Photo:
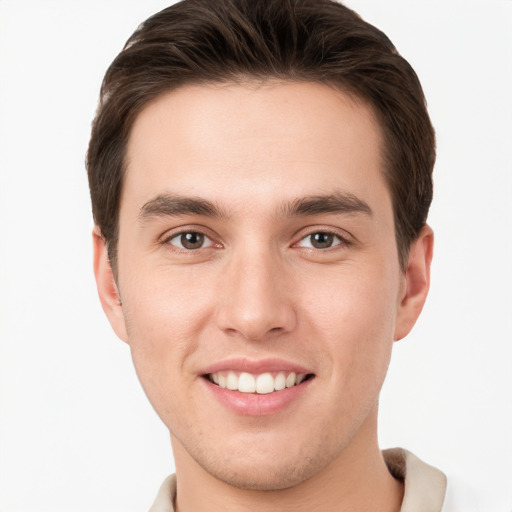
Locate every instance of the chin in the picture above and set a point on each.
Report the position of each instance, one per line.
(263, 466)
(267, 478)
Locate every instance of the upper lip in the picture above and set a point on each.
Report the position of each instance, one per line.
(255, 367)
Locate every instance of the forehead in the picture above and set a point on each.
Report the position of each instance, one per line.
(256, 139)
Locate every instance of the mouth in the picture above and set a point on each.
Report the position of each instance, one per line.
(261, 384)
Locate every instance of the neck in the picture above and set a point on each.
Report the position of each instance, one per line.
(358, 480)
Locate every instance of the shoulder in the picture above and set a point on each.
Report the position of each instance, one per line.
(164, 501)
(427, 489)
(424, 485)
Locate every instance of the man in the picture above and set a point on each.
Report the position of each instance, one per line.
(260, 174)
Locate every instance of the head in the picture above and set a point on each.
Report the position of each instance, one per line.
(232, 41)
(260, 174)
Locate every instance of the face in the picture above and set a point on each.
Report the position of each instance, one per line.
(259, 277)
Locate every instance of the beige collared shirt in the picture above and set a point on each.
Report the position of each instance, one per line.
(425, 486)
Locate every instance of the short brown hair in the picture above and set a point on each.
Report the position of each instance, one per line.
(205, 41)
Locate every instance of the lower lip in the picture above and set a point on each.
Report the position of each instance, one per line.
(253, 404)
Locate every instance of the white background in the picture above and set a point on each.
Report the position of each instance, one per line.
(76, 432)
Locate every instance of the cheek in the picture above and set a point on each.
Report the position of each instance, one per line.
(164, 330)
(351, 299)
(165, 314)
(356, 316)
(164, 301)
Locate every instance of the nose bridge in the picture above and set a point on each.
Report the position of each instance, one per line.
(255, 301)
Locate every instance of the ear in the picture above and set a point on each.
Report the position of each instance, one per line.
(416, 283)
(107, 287)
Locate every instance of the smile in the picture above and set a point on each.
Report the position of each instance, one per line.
(263, 383)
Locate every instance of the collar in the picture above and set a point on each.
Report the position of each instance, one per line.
(425, 486)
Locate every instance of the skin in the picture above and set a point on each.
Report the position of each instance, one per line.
(259, 289)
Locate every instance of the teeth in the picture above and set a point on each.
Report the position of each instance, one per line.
(280, 382)
(232, 381)
(290, 380)
(263, 383)
(246, 383)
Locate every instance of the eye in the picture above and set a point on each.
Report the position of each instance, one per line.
(190, 240)
(320, 240)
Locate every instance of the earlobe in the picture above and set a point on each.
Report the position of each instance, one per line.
(107, 287)
(416, 282)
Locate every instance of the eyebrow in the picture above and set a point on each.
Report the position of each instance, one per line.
(169, 205)
(340, 202)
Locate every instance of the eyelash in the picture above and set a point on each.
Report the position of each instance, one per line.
(180, 234)
(343, 241)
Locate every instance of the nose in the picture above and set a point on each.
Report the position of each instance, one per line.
(256, 298)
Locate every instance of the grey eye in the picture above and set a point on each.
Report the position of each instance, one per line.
(320, 240)
(190, 240)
